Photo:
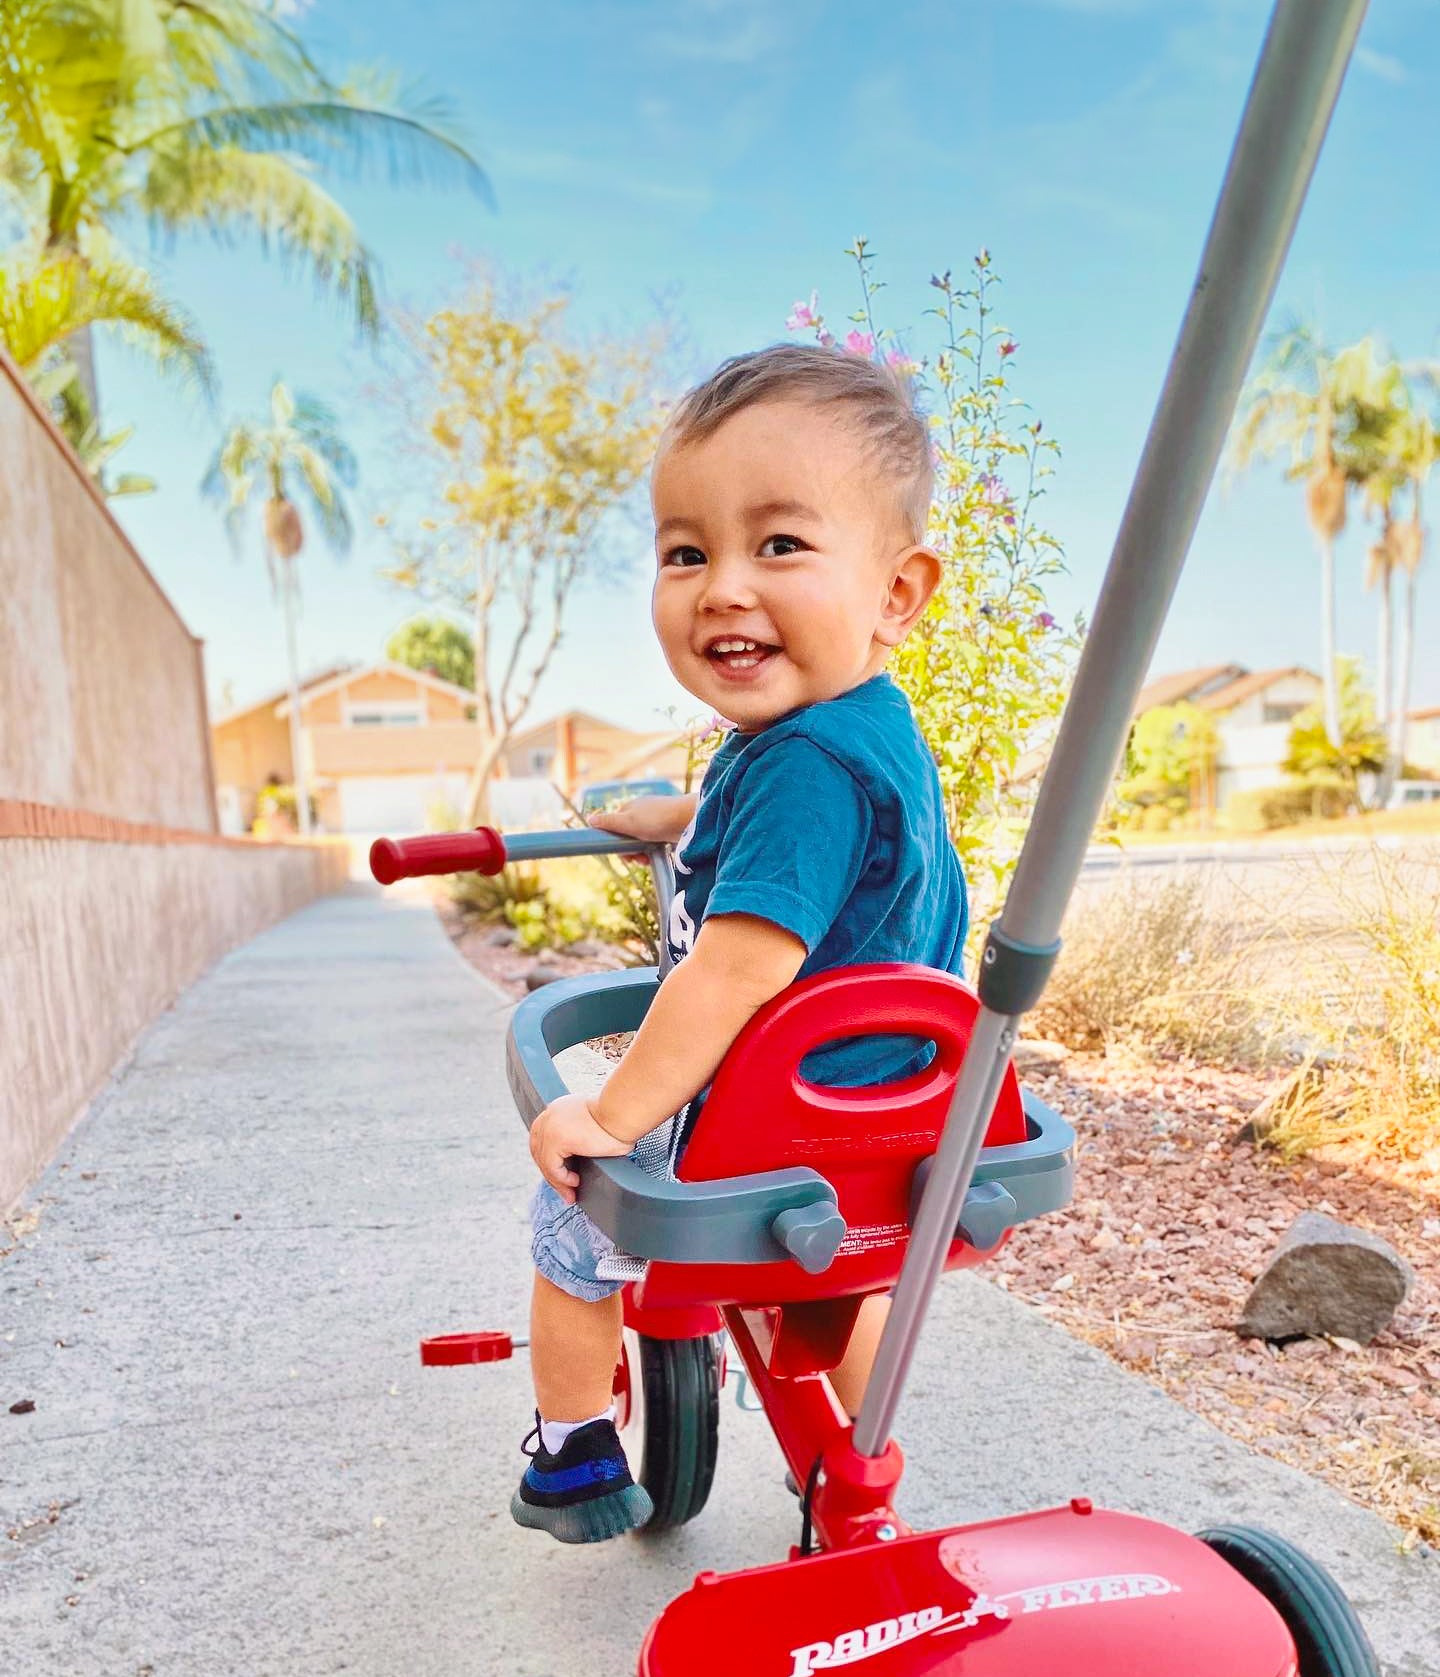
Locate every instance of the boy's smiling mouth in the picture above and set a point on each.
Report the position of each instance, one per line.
(737, 657)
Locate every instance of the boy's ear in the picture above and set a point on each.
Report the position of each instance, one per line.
(913, 582)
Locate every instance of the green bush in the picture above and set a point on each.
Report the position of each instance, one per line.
(488, 897)
(544, 923)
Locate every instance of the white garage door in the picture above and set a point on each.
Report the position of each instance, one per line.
(396, 804)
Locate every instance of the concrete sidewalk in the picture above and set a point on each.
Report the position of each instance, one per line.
(311, 1161)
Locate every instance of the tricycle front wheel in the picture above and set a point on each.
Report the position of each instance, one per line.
(667, 1395)
(1329, 1638)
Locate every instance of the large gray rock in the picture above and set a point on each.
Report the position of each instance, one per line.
(1327, 1278)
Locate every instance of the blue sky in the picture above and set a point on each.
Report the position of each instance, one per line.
(721, 154)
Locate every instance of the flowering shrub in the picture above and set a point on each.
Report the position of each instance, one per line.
(988, 666)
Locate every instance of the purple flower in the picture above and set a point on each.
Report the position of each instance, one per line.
(993, 492)
(804, 315)
(859, 343)
(827, 340)
(1008, 348)
(1043, 620)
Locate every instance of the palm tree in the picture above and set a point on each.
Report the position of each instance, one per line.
(1321, 408)
(195, 115)
(299, 455)
(1416, 450)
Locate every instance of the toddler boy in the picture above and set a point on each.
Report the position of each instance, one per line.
(790, 495)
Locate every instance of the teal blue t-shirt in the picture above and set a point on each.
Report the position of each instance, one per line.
(830, 823)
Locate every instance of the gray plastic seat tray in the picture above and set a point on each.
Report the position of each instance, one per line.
(729, 1221)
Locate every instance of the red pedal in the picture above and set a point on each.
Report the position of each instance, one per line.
(446, 1350)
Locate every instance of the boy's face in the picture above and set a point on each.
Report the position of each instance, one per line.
(785, 574)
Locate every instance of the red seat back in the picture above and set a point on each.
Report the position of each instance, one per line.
(762, 1115)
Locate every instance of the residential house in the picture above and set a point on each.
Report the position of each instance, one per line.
(1254, 713)
(577, 749)
(383, 746)
(1422, 743)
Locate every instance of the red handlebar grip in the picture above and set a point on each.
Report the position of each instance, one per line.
(480, 851)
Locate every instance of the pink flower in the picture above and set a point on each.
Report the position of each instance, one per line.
(826, 339)
(993, 491)
(1008, 347)
(859, 343)
(900, 361)
(804, 314)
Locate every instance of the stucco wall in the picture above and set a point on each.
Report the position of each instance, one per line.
(102, 695)
(99, 937)
(115, 890)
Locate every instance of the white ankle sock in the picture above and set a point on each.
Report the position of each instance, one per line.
(554, 1433)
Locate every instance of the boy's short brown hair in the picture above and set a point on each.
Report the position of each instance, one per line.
(878, 401)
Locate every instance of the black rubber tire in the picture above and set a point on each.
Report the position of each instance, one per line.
(673, 1434)
(1329, 1638)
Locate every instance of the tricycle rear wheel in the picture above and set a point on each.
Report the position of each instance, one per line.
(1328, 1635)
(668, 1398)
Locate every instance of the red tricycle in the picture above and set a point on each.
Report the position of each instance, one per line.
(795, 1203)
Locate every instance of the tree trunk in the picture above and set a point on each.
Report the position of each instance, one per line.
(298, 777)
(477, 794)
(1328, 667)
(1384, 680)
(1400, 721)
(80, 347)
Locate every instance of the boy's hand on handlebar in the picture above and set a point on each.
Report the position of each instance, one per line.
(568, 1129)
(653, 820)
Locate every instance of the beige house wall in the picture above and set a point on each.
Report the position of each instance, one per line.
(102, 693)
(441, 745)
(250, 748)
(100, 937)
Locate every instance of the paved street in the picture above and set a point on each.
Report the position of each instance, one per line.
(309, 1162)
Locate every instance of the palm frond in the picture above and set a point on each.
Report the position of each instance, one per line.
(356, 139)
(330, 513)
(46, 297)
(219, 191)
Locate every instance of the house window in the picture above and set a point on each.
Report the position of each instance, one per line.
(540, 761)
(1275, 711)
(383, 716)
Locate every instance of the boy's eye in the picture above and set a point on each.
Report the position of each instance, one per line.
(684, 556)
(777, 547)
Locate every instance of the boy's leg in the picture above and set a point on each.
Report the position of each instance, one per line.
(852, 1375)
(574, 1347)
(578, 1485)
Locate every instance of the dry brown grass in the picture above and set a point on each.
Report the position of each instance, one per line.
(1152, 967)
(1379, 1036)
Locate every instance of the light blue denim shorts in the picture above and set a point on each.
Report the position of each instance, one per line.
(569, 1250)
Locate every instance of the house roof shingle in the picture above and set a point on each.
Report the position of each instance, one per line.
(1170, 689)
(1246, 686)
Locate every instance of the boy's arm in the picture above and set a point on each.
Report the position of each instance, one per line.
(739, 963)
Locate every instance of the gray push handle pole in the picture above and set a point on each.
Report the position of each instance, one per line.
(1288, 109)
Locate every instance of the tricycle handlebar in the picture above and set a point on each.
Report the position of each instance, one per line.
(480, 851)
(483, 850)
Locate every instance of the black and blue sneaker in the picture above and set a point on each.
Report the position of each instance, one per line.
(583, 1493)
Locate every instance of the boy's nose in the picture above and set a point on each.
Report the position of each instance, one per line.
(727, 588)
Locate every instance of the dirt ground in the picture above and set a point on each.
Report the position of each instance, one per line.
(1174, 1217)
